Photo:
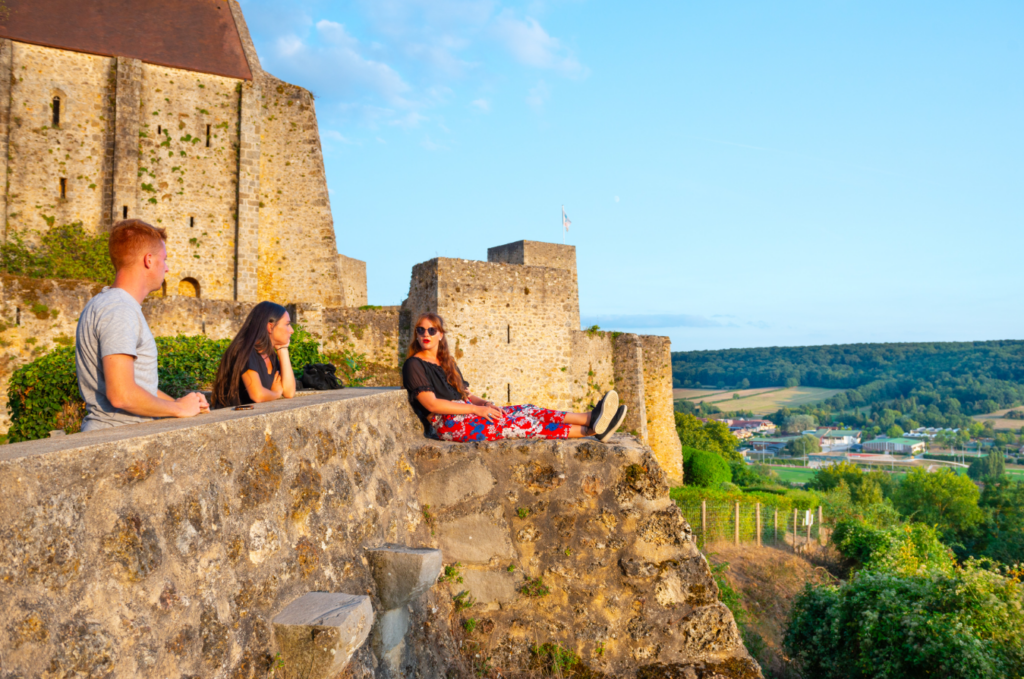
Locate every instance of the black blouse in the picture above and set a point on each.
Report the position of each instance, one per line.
(257, 363)
(419, 376)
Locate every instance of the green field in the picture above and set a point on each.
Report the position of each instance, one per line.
(760, 401)
(792, 475)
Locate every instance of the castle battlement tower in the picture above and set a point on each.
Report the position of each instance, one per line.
(164, 113)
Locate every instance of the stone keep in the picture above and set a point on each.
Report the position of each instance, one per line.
(164, 114)
(514, 327)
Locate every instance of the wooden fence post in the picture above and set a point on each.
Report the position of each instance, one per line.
(808, 535)
(776, 522)
(821, 525)
(736, 523)
(757, 522)
(704, 521)
(795, 529)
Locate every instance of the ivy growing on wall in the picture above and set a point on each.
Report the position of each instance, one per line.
(64, 251)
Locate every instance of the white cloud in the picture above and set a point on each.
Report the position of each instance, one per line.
(334, 135)
(616, 199)
(532, 45)
(333, 66)
(539, 94)
(481, 105)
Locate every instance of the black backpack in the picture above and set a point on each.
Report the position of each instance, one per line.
(320, 376)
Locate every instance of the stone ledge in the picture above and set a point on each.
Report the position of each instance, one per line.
(169, 425)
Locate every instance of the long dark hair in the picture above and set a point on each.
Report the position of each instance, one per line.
(253, 335)
(444, 357)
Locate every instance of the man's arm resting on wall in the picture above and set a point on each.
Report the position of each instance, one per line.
(124, 394)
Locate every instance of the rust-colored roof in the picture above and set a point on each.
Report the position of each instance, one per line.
(197, 35)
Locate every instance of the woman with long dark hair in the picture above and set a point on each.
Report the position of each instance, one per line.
(256, 367)
(442, 400)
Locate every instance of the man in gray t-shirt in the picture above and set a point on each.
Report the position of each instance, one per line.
(114, 348)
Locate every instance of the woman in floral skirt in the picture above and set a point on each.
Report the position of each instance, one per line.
(442, 400)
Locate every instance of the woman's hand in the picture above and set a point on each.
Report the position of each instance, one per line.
(489, 413)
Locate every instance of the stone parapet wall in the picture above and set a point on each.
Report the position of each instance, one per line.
(627, 354)
(36, 316)
(372, 332)
(166, 548)
(352, 276)
(593, 369)
(661, 421)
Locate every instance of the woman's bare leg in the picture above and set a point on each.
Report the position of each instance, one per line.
(579, 431)
(577, 418)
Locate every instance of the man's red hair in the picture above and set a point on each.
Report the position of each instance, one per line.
(132, 239)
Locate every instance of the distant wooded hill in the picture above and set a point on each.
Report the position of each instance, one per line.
(981, 376)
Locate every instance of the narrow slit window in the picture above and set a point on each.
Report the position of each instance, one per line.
(509, 399)
(207, 136)
(56, 111)
(159, 129)
(124, 212)
(510, 334)
(17, 315)
(191, 222)
(63, 187)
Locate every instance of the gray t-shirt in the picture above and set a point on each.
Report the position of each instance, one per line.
(112, 323)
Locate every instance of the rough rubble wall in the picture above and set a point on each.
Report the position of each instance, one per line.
(297, 249)
(661, 420)
(372, 332)
(166, 549)
(36, 316)
(593, 371)
(510, 327)
(593, 525)
(184, 185)
(79, 151)
(352, 277)
(627, 354)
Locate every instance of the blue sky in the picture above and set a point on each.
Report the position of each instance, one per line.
(737, 173)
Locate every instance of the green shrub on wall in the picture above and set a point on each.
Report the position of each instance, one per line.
(64, 251)
(38, 390)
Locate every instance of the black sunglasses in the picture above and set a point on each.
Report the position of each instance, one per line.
(421, 331)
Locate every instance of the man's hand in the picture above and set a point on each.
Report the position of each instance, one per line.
(191, 405)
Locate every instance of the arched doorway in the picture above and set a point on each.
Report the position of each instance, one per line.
(188, 287)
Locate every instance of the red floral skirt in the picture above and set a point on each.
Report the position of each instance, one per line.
(520, 422)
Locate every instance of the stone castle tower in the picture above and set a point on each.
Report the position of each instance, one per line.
(164, 113)
(514, 326)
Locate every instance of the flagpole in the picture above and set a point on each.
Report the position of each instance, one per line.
(563, 225)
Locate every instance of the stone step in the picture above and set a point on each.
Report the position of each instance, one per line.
(403, 573)
(321, 631)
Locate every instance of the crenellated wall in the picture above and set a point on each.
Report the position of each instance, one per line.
(167, 548)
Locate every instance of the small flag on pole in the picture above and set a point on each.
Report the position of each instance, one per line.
(565, 219)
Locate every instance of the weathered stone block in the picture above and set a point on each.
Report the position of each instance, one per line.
(454, 484)
(322, 630)
(490, 587)
(403, 573)
(474, 539)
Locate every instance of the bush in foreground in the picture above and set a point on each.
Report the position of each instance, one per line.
(704, 469)
(968, 624)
